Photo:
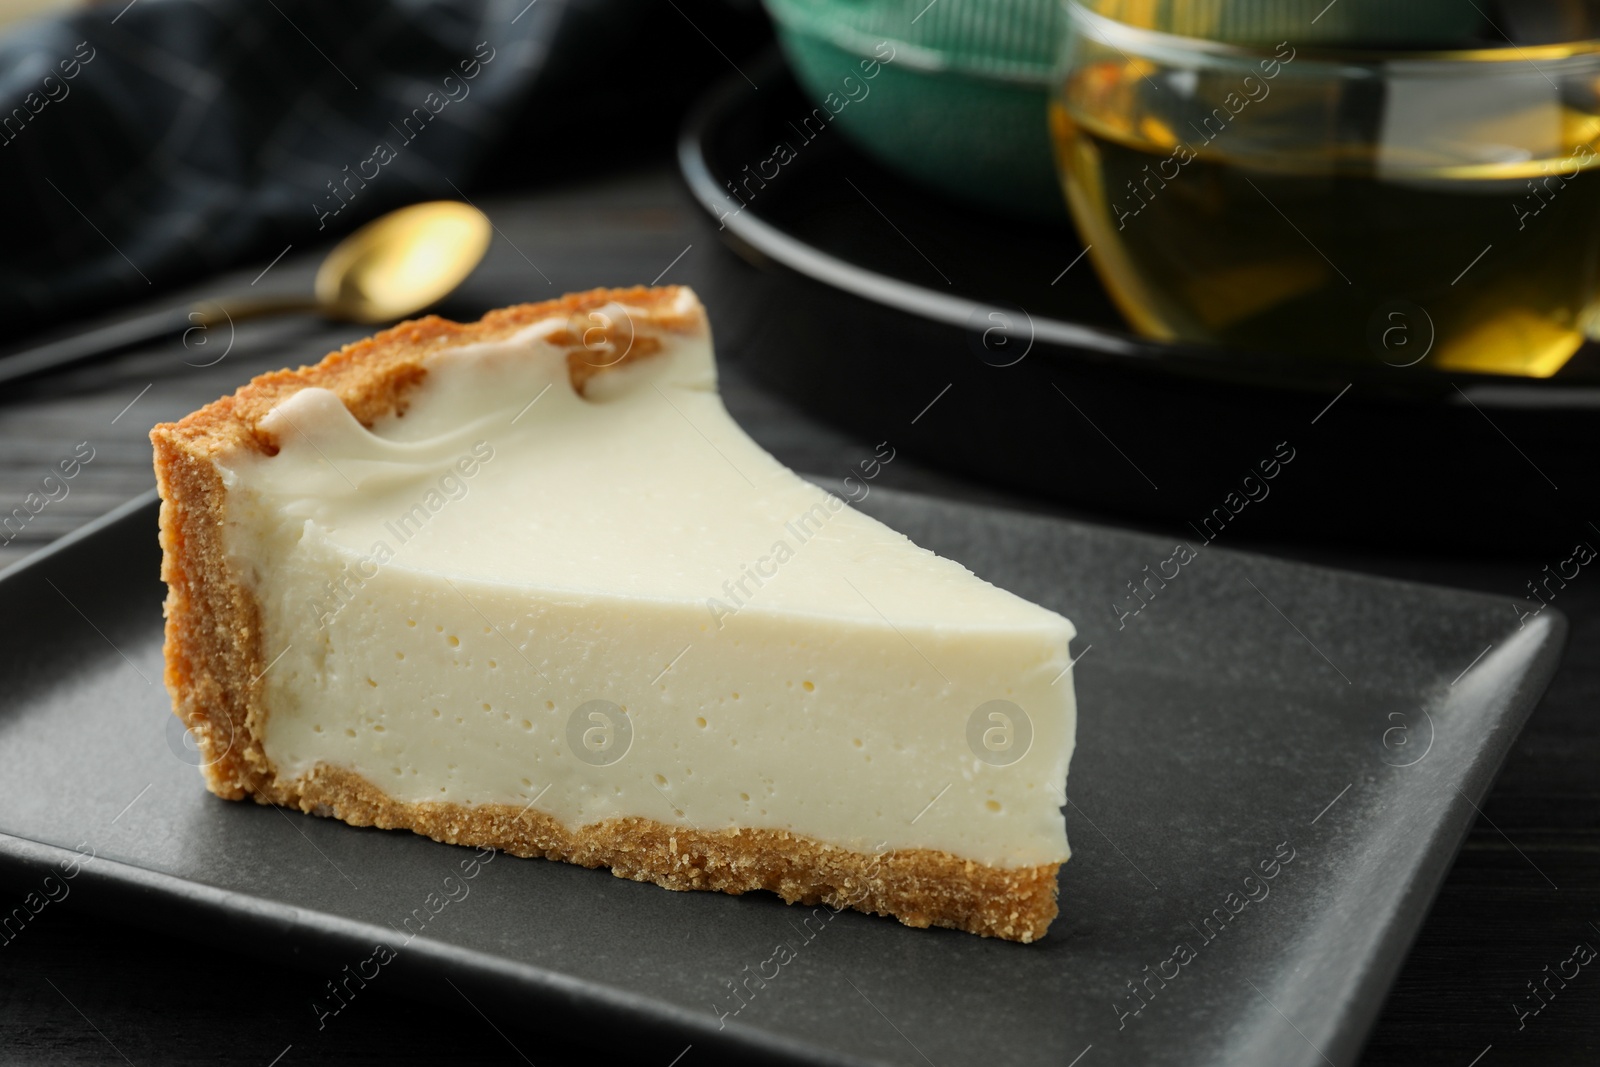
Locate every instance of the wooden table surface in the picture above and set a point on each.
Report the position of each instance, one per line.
(81, 988)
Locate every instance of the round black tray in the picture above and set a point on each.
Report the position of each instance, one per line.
(989, 347)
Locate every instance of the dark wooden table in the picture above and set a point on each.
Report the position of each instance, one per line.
(82, 988)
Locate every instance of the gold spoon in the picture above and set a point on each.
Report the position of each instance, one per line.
(393, 267)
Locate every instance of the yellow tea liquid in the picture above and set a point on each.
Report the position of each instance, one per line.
(1207, 234)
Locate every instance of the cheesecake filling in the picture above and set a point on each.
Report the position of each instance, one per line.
(609, 602)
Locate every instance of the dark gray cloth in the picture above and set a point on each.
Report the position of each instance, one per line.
(148, 144)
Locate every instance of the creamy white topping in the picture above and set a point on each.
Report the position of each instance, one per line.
(617, 604)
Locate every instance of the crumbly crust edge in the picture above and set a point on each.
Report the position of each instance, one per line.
(920, 887)
(215, 660)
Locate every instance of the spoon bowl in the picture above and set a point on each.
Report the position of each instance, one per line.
(402, 262)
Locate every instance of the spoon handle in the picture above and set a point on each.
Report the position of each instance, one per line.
(93, 344)
(144, 329)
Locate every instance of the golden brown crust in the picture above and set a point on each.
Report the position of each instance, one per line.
(213, 632)
(920, 887)
(215, 659)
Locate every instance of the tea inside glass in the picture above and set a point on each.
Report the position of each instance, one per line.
(1405, 207)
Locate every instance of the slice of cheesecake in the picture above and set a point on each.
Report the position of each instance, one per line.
(524, 583)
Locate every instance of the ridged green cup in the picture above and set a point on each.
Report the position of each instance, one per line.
(962, 104)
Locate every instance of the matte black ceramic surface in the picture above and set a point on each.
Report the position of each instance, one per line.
(1252, 717)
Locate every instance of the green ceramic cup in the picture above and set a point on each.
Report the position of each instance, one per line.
(962, 104)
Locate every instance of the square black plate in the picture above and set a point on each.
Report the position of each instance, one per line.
(1251, 709)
